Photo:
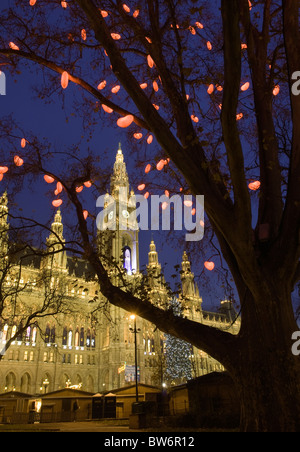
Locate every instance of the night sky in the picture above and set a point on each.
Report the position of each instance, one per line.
(58, 122)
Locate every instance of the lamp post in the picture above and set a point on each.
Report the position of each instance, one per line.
(134, 330)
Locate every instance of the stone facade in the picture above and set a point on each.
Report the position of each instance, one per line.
(87, 343)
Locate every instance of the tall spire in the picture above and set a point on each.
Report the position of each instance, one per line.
(55, 244)
(187, 277)
(152, 255)
(4, 226)
(155, 277)
(119, 177)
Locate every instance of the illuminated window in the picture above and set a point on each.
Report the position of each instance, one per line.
(81, 337)
(47, 334)
(77, 338)
(65, 336)
(70, 337)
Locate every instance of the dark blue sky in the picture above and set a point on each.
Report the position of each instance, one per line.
(57, 124)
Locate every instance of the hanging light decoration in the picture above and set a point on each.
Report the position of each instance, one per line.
(150, 61)
(102, 85)
(3, 169)
(148, 168)
(210, 89)
(125, 121)
(23, 143)
(254, 185)
(107, 109)
(49, 179)
(57, 202)
(209, 265)
(115, 89)
(160, 164)
(115, 36)
(245, 86)
(59, 187)
(18, 161)
(64, 79)
(13, 46)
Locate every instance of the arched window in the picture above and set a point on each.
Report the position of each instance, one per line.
(47, 334)
(88, 338)
(4, 333)
(10, 382)
(33, 337)
(20, 333)
(25, 383)
(127, 259)
(65, 336)
(13, 331)
(93, 340)
(52, 335)
(82, 337)
(28, 333)
(70, 338)
(77, 337)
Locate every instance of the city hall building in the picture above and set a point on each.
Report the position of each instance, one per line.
(86, 342)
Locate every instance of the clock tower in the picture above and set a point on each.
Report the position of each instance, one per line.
(119, 231)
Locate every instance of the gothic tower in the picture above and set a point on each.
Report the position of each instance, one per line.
(57, 258)
(118, 236)
(190, 299)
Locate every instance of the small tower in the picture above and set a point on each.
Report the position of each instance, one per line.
(4, 225)
(57, 258)
(155, 277)
(190, 298)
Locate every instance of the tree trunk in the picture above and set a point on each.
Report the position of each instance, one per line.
(269, 395)
(266, 372)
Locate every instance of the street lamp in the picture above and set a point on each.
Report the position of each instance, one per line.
(45, 384)
(134, 330)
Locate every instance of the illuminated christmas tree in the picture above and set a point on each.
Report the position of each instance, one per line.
(178, 354)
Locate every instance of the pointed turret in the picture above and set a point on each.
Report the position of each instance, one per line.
(190, 291)
(4, 226)
(187, 277)
(118, 233)
(153, 256)
(119, 177)
(156, 279)
(55, 244)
